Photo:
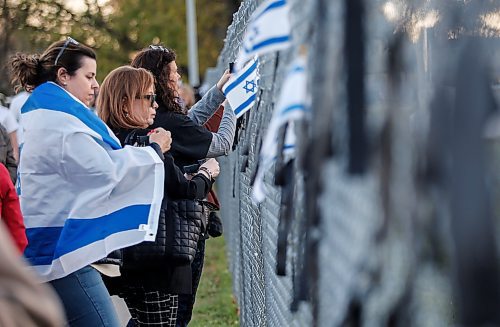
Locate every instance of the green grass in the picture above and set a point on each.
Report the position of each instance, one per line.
(215, 304)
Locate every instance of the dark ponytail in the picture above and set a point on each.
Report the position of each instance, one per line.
(30, 70)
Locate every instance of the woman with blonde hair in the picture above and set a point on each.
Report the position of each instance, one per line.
(126, 102)
(82, 195)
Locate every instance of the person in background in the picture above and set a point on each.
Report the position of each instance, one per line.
(15, 106)
(186, 94)
(10, 211)
(24, 301)
(82, 194)
(191, 141)
(8, 121)
(7, 154)
(126, 102)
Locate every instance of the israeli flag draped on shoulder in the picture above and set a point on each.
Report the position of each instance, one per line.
(241, 89)
(82, 194)
(292, 105)
(268, 30)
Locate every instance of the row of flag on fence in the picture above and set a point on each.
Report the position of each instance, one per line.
(269, 30)
(292, 105)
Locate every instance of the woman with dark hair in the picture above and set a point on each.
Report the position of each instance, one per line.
(82, 194)
(191, 142)
(121, 104)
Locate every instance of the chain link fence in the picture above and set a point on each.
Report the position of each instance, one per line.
(375, 237)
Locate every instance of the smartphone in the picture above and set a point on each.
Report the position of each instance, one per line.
(191, 169)
(231, 67)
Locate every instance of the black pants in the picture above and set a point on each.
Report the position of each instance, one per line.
(186, 301)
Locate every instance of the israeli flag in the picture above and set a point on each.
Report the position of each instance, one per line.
(268, 30)
(293, 104)
(241, 89)
(82, 194)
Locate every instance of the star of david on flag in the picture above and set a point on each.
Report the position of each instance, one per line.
(292, 105)
(268, 30)
(241, 89)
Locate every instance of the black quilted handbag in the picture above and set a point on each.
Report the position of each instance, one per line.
(180, 226)
(188, 222)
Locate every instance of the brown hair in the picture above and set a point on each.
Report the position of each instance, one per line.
(156, 58)
(117, 94)
(30, 70)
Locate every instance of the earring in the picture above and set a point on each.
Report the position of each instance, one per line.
(65, 84)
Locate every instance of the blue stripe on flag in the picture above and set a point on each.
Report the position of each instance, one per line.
(51, 97)
(297, 69)
(288, 146)
(293, 108)
(240, 79)
(78, 233)
(274, 40)
(245, 104)
(274, 5)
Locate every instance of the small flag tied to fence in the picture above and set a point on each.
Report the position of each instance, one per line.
(267, 31)
(293, 104)
(241, 89)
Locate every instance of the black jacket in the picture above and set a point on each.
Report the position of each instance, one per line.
(175, 278)
(190, 142)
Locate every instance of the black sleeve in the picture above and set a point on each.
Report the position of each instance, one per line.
(190, 142)
(178, 187)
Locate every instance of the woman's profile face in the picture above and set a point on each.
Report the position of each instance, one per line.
(83, 84)
(173, 77)
(143, 109)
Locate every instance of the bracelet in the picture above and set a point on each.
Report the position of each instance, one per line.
(205, 169)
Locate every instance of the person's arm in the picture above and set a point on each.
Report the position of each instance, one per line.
(205, 108)
(6, 149)
(11, 127)
(178, 187)
(14, 144)
(222, 141)
(11, 163)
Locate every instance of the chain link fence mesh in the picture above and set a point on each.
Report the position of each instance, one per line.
(385, 250)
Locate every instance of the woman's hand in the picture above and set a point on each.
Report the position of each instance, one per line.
(223, 80)
(162, 137)
(212, 166)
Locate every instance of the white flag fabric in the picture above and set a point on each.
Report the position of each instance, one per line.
(82, 194)
(241, 89)
(293, 104)
(268, 30)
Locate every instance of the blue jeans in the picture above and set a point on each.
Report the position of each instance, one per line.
(85, 299)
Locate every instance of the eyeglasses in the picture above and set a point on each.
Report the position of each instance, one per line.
(150, 97)
(159, 47)
(68, 41)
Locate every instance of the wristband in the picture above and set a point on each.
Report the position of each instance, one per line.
(205, 169)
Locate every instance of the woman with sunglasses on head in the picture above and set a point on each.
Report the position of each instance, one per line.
(75, 180)
(191, 142)
(126, 102)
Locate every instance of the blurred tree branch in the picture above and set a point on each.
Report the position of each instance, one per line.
(115, 28)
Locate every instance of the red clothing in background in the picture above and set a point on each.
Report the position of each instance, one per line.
(214, 122)
(10, 211)
(213, 126)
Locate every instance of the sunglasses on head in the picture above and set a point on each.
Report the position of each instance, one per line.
(159, 47)
(68, 41)
(150, 97)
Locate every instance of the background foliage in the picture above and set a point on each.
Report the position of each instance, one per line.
(116, 29)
